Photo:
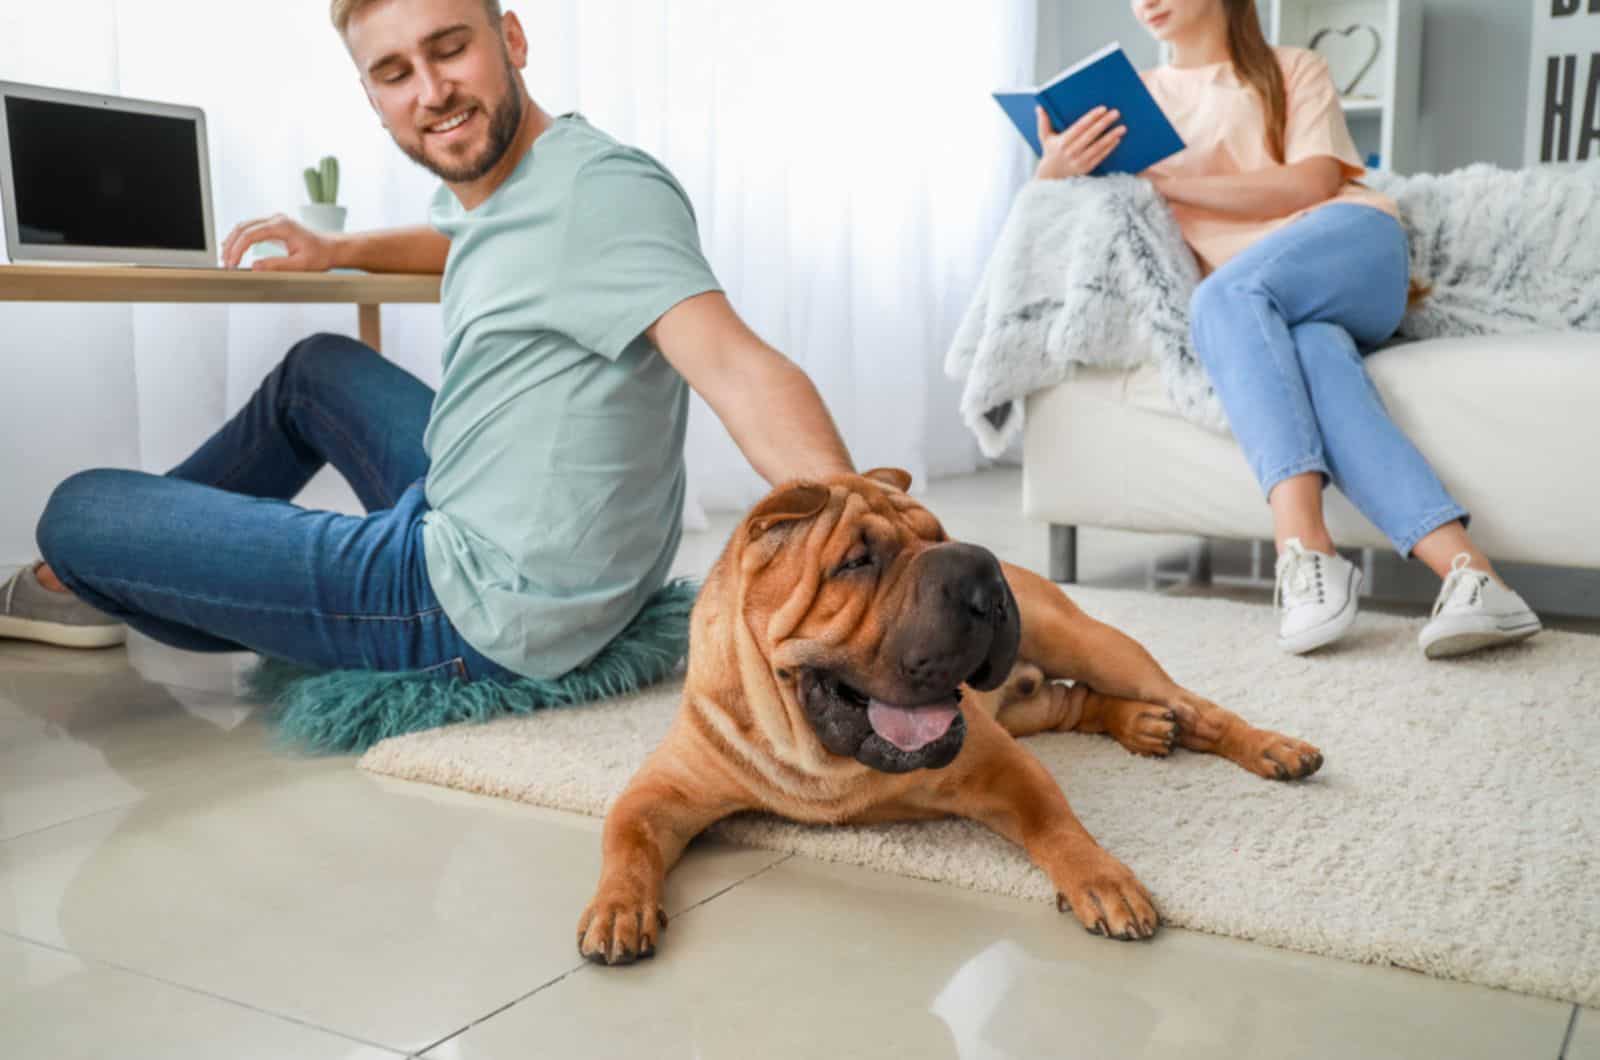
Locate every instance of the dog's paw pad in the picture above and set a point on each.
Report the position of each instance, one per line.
(1112, 904)
(619, 931)
(1283, 758)
(1153, 732)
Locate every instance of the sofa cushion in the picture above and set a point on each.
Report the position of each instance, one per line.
(1510, 422)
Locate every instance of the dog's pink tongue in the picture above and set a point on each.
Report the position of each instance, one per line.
(910, 728)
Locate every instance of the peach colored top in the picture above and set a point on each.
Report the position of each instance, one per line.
(1222, 121)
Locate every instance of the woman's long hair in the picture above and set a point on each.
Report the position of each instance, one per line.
(1257, 66)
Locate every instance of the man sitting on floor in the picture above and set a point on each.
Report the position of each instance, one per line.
(518, 519)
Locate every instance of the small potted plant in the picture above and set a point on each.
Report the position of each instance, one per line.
(322, 183)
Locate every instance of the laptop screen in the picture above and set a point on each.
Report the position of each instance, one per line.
(99, 177)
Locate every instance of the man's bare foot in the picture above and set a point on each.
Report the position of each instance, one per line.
(48, 579)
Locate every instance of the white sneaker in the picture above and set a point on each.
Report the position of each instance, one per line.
(1474, 611)
(1316, 597)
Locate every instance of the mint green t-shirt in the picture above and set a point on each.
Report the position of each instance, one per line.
(556, 479)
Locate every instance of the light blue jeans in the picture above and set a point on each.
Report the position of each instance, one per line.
(1282, 329)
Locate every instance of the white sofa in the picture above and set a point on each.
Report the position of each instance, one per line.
(1510, 423)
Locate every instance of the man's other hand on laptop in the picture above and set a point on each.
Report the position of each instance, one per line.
(305, 250)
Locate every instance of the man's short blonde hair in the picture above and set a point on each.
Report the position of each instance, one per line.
(341, 11)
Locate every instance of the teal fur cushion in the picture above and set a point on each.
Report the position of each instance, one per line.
(350, 710)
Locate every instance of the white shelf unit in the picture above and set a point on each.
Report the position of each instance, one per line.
(1382, 108)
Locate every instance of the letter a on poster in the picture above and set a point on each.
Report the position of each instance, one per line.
(1564, 83)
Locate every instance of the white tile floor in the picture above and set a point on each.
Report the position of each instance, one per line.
(172, 885)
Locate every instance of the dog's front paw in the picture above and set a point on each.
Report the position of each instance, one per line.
(1108, 899)
(619, 927)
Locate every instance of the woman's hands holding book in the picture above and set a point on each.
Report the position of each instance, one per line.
(1080, 148)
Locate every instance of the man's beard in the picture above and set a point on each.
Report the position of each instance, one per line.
(503, 124)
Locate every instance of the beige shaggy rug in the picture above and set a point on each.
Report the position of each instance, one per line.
(1454, 830)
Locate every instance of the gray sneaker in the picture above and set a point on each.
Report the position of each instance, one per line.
(29, 611)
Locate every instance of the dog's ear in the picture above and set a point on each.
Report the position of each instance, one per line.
(797, 500)
(890, 476)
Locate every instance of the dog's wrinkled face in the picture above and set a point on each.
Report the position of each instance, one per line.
(872, 620)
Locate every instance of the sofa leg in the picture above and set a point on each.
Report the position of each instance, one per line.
(1200, 563)
(1063, 553)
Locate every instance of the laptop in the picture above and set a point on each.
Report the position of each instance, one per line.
(93, 179)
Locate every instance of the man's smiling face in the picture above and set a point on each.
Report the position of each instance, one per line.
(443, 77)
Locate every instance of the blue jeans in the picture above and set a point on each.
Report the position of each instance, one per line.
(213, 557)
(1282, 329)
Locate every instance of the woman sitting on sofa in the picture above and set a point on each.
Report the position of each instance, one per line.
(1306, 271)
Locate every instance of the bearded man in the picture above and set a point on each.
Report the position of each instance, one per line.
(518, 519)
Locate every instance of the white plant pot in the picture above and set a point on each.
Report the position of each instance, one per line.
(322, 217)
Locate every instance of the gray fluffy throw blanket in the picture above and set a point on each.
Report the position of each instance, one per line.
(1093, 271)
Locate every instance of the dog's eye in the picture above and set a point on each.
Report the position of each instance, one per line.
(854, 561)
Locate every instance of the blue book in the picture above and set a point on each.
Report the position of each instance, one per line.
(1104, 79)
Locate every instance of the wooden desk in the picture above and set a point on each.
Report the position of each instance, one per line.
(83, 283)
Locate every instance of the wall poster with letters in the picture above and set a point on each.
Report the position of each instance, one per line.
(1564, 82)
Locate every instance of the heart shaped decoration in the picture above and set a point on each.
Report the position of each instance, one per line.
(1372, 57)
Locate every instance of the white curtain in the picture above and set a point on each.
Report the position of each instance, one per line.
(847, 165)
